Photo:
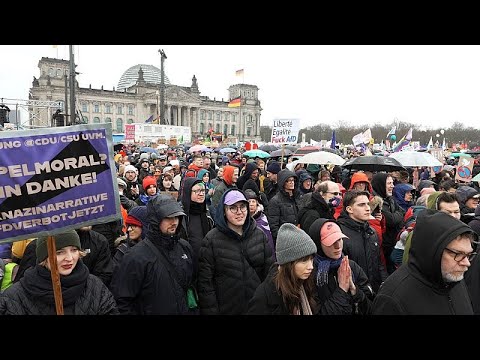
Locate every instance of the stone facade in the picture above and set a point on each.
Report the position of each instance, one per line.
(184, 106)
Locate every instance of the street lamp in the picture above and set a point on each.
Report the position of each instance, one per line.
(162, 87)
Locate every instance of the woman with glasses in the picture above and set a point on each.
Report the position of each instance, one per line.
(234, 258)
(431, 282)
(197, 223)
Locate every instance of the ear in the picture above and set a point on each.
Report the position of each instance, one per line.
(349, 209)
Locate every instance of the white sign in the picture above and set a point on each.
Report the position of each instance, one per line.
(153, 132)
(285, 131)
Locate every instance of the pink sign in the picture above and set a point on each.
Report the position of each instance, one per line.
(129, 132)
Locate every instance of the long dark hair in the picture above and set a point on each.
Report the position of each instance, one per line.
(289, 285)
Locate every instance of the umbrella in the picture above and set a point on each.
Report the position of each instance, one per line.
(456, 155)
(276, 153)
(256, 153)
(373, 163)
(227, 150)
(198, 148)
(291, 147)
(415, 159)
(476, 178)
(322, 158)
(147, 149)
(268, 148)
(117, 147)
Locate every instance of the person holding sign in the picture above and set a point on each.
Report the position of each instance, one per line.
(82, 292)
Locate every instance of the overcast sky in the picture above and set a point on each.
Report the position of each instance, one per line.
(432, 86)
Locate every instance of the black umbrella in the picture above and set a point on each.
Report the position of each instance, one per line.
(276, 153)
(268, 148)
(117, 147)
(373, 163)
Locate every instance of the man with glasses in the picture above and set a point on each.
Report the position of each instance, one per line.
(321, 204)
(431, 282)
(234, 258)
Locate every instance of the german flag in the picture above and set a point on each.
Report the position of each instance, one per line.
(234, 102)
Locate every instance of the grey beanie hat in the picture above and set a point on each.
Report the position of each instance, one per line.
(293, 244)
(67, 238)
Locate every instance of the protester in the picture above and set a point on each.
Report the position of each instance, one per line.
(155, 274)
(283, 207)
(256, 212)
(234, 258)
(431, 282)
(288, 289)
(82, 293)
(342, 286)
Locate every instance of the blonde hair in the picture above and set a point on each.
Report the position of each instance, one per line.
(81, 252)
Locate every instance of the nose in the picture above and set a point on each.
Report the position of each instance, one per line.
(310, 264)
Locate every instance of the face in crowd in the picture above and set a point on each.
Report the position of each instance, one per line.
(360, 209)
(168, 226)
(198, 193)
(237, 213)
(389, 186)
(456, 259)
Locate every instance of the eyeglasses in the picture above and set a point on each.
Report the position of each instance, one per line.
(199, 191)
(336, 193)
(236, 209)
(459, 256)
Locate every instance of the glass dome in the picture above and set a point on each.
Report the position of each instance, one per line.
(151, 75)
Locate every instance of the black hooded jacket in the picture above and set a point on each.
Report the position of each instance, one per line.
(231, 266)
(315, 207)
(283, 208)
(192, 229)
(362, 246)
(417, 287)
(392, 212)
(331, 299)
(143, 284)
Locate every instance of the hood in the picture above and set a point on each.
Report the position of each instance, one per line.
(201, 173)
(477, 211)
(424, 184)
(140, 213)
(187, 192)
(434, 230)
(249, 168)
(360, 177)
(399, 192)
(432, 200)
(314, 233)
(228, 174)
(221, 221)
(158, 208)
(379, 185)
(464, 193)
(283, 175)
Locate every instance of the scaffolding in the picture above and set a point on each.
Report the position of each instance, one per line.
(40, 112)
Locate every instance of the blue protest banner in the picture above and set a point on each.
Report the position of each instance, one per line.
(56, 179)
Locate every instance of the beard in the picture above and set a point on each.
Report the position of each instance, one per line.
(450, 277)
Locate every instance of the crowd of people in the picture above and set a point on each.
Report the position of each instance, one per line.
(206, 233)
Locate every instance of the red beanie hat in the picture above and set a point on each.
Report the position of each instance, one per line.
(149, 180)
(133, 221)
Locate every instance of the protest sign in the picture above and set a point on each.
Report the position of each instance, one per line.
(285, 131)
(56, 179)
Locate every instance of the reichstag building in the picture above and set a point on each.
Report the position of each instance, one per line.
(136, 99)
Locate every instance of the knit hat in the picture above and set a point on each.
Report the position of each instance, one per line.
(122, 182)
(130, 168)
(330, 233)
(293, 244)
(149, 180)
(138, 216)
(250, 194)
(67, 238)
(273, 167)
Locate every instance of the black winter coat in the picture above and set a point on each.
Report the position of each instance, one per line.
(24, 299)
(417, 287)
(231, 266)
(267, 300)
(315, 208)
(363, 248)
(283, 208)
